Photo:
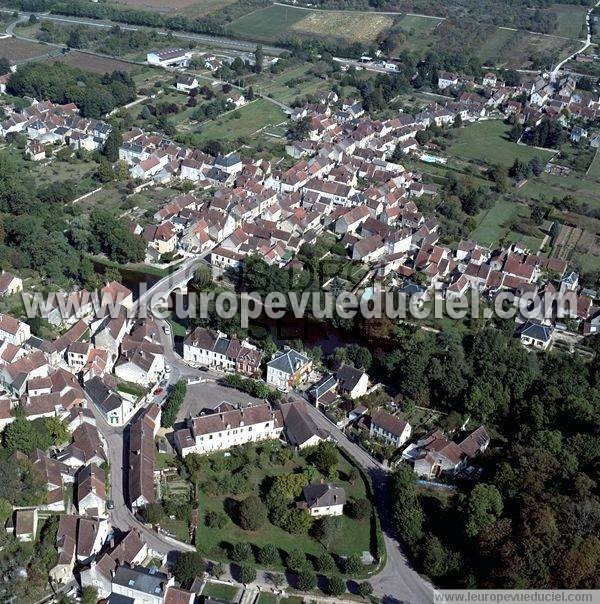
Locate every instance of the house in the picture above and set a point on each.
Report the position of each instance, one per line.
(214, 349)
(300, 429)
(66, 545)
(323, 392)
(116, 294)
(13, 331)
(116, 410)
(91, 536)
(323, 499)
(352, 382)
(91, 491)
(434, 454)
(170, 57)
(141, 458)
(535, 334)
(142, 359)
(222, 430)
(446, 80)
(141, 585)
(186, 83)
(9, 284)
(288, 368)
(131, 550)
(490, 79)
(390, 428)
(176, 595)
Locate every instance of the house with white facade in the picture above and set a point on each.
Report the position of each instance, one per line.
(288, 368)
(390, 428)
(323, 499)
(222, 430)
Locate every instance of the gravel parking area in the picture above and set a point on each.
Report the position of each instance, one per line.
(210, 394)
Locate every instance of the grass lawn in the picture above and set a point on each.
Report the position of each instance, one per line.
(50, 171)
(354, 536)
(418, 31)
(292, 83)
(492, 225)
(219, 591)
(487, 142)
(267, 23)
(594, 169)
(585, 190)
(243, 122)
(179, 528)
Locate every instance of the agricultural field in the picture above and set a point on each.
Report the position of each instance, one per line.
(16, 50)
(515, 49)
(95, 64)
(194, 7)
(418, 31)
(487, 142)
(276, 22)
(594, 169)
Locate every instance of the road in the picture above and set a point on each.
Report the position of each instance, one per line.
(586, 45)
(397, 580)
(219, 41)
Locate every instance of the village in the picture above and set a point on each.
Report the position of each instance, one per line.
(133, 412)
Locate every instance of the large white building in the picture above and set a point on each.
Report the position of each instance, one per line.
(170, 57)
(223, 430)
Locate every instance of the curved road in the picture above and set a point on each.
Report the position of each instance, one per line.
(586, 45)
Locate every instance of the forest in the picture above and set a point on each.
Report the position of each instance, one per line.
(532, 518)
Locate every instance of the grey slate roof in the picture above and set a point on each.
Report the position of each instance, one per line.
(536, 331)
(323, 495)
(142, 579)
(288, 361)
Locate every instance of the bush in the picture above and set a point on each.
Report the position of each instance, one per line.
(325, 563)
(242, 552)
(359, 508)
(247, 573)
(353, 565)
(336, 586)
(365, 589)
(173, 404)
(269, 556)
(307, 580)
(296, 561)
(215, 519)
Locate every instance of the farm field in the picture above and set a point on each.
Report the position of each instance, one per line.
(594, 169)
(194, 7)
(418, 31)
(585, 190)
(487, 142)
(95, 64)
(272, 23)
(21, 50)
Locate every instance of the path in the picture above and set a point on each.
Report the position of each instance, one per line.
(586, 45)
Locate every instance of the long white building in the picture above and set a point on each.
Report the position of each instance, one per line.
(226, 429)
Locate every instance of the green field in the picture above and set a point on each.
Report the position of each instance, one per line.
(585, 190)
(571, 20)
(487, 142)
(494, 44)
(492, 226)
(276, 22)
(243, 122)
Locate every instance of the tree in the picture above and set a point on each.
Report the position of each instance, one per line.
(325, 563)
(89, 595)
(296, 560)
(536, 165)
(251, 513)
(325, 458)
(247, 573)
(336, 586)
(515, 132)
(353, 565)
(359, 356)
(365, 589)
(484, 506)
(259, 58)
(153, 513)
(188, 566)
(4, 66)
(306, 580)
(438, 560)
(359, 508)
(202, 279)
(5, 511)
(113, 144)
(268, 555)
(57, 429)
(242, 552)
